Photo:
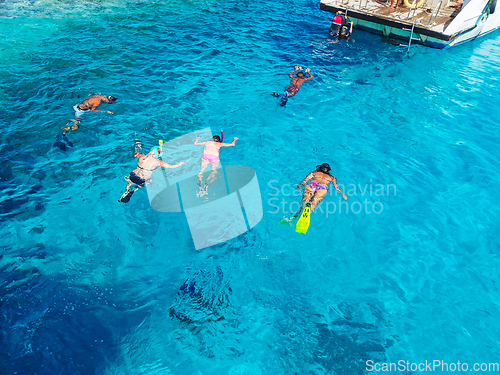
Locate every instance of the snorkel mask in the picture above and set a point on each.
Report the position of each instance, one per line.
(160, 148)
(325, 168)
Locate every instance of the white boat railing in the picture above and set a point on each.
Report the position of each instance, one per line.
(413, 7)
(366, 4)
(436, 11)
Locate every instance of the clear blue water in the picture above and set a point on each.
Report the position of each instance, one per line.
(91, 286)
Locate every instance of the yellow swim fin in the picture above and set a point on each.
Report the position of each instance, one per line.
(304, 220)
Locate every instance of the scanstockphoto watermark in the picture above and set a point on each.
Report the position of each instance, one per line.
(285, 198)
(431, 366)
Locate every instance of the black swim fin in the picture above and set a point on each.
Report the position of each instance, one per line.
(65, 138)
(59, 143)
(62, 142)
(284, 99)
(126, 196)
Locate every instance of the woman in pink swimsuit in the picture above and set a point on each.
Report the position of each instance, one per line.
(318, 187)
(211, 156)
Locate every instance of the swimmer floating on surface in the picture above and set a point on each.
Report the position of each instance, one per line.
(210, 156)
(318, 187)
(141, 176)
(293, 88)
(90, 104)
(314, 192)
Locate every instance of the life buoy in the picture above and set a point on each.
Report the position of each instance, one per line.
(409, 3)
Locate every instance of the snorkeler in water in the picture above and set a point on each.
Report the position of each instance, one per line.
(338, 21)
(210, 156)
(296, 82)
(345, 31)
(89, 105)
(141, 175)
(316, 189)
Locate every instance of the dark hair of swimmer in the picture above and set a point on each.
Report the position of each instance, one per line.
(300, 74)
(112, 99)
(325, 168)
(216, 138)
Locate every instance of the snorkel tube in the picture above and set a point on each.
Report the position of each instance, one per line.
(222, 136)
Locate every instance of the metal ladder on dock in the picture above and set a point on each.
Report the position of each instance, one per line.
(411, 37)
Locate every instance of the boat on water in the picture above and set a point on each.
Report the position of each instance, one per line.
(433, 23)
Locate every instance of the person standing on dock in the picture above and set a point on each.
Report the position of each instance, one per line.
(395, 2)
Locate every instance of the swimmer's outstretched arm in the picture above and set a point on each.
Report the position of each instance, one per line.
(229, 144)
(138, 154)
(165, 165)
(334, 180)
(296, 67)
(198, 143)
(93, 109)
(304, 181)
(310, 74)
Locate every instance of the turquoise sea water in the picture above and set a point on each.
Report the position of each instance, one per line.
(92, 286)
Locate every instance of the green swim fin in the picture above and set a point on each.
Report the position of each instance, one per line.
(304, 220)
(288, 220)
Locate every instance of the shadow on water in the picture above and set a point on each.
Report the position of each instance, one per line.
(339, 343)
(50, 326)
(200, 308)
(17, 197)
(202, 298)
(62, 142)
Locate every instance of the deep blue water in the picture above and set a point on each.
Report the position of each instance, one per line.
(92, 286)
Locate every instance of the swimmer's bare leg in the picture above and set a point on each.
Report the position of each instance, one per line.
(66, 128)
(306, 197)
(300, 208)
(129, 184)
(76, 124)
(129, 187)
(211, 177)
(318, 197)
(128, 192)
(204, 165)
